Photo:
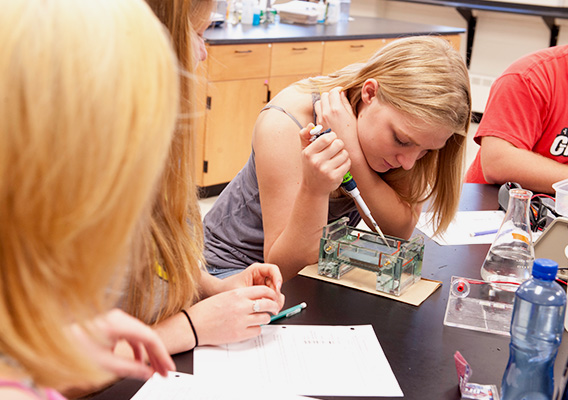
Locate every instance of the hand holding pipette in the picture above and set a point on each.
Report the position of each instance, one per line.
(350, 186)
(324, 163)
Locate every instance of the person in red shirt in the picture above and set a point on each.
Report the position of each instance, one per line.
(524, 130)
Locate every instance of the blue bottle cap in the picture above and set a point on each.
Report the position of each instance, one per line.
(546, 269)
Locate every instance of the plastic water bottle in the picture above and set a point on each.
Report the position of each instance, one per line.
(536, 331)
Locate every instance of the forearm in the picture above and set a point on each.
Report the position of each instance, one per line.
(393, 216)
(531, 170)
(298, 244)
(210, 285)
(176, 333)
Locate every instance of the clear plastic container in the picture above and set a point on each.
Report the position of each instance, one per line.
(396, 262)
(536, 332)
(247, 13)
(344, 6)
(561, 197)
(321, 8)
(332, 16)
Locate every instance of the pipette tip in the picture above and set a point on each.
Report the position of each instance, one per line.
(380, 232)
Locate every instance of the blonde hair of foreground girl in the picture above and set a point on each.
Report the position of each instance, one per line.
(88, 101)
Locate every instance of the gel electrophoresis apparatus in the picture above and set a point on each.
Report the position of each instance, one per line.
(397, 263)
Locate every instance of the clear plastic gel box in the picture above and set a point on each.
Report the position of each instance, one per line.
(343, 248)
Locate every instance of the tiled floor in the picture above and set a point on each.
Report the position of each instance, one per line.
(206, 204)
(471, 151)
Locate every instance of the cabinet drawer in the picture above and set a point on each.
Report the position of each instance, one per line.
(300, 58)
(230, 62)
(338, 54)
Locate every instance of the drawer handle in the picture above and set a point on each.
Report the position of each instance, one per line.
(357, 46)
(243, 51)
(299, 48)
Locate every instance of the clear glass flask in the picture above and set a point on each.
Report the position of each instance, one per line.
(511, 255)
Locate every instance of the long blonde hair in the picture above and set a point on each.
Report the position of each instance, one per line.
(89, 98)
(423, 77)
(175, 240)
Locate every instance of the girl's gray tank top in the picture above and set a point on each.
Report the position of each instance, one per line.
(234, 235)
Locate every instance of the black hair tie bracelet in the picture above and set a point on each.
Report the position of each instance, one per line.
(192, 327)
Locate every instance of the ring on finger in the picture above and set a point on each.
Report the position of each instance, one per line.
(255, 306)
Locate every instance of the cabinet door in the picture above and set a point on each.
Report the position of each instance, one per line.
(230, 118)
(338, 54)
(277, 83)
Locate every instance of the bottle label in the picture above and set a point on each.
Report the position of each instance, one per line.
(522, 238)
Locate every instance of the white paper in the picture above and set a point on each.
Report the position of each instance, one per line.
(304, 360)
(180, 386)
(463, 225)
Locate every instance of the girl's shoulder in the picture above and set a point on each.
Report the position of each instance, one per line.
(276, 131)
(296, 102)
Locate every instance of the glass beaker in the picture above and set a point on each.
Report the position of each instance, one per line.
(511, 255)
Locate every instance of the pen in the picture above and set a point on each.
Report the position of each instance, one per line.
(481, 233)
(351, 187)
(289, 312)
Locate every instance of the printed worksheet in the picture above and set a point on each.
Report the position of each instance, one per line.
(467, 227)
(180, 386)
(303, 360)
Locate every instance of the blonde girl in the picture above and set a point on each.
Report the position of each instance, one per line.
(84, 133)
(185, 305)
(399, 123)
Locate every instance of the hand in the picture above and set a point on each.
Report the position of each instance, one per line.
(230, 316)
(334, 111)
(324, 162)
(258, 274)
(104, 333)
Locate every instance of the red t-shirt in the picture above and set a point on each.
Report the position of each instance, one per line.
(527, 108)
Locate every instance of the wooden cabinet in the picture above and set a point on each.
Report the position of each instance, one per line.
(230, 62)
(234, 85)
(291, 62)
(301, 58)
(236, 81)
(234, 106)
(340, 53)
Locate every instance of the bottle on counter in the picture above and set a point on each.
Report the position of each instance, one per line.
(511, 255)
(332, 15)
(536, 331)
(321, 8)
(247, 13)
(256, 14)
(234, 9)
(344, 6)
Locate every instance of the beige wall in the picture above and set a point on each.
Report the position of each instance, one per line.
(499, 40)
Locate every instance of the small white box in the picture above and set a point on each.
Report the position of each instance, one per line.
(561, 197)
(299, 12)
